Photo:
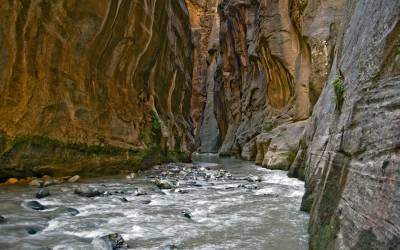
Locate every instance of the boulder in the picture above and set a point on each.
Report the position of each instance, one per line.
(42, 193)
(110, 242)
(277, 149)
(2, 220)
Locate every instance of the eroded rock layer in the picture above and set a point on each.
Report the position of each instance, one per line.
(93, 86)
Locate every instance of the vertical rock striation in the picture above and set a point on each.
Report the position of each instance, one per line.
(279, 61)
(272, 67)
(205, 29)
(93, 85)
(350, 153)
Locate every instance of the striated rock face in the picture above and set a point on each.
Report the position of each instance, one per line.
(350, 156)
(205, 29)
(275, 61)
(93, 85)
(266, 76)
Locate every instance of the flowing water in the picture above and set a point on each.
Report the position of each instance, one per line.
(225, 215)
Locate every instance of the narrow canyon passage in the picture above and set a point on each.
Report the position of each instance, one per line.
(104, 104)
(227, 211)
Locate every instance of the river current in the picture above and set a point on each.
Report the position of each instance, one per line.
(226, 213)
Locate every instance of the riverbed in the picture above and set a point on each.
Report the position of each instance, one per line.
(228, 212)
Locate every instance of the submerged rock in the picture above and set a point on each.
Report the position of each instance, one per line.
(2, 220)
(33, 230)
(170, 247)
(42, 193)
(123, 199)
(72, 211)
(35, 205)
(87, 191)
(187, 214)
(110, 242)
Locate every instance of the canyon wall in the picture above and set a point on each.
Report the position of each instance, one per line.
(270, 70)
(204, 21)
(350, 153)
(276, 63)
(93, 87)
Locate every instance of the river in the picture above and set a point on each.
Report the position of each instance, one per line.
(226, 213)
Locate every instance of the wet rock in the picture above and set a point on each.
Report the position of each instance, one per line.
(42, 193)
(2, 220)
(170, 247)
(72, 211)
(182, 191)
(74, 178)
(32, 230)
(253, 178)
(131, 176)
(49, 181)
(110, 242)
(140, 191)
(12, 181)
(36, 183)
(271, 195)
(163, 184)
(187, 214)
(250, 187)
(123, 199)
(146, 202)
(35, 205)
(87, 191)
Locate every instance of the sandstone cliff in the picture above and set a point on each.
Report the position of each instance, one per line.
(269, 73)
(93, 86)
(273, 61)
(204, 22)
(350, 154)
